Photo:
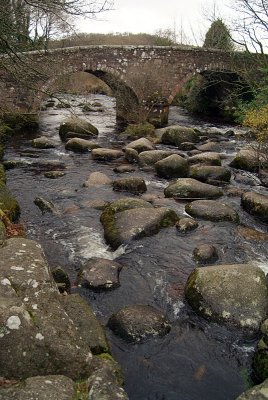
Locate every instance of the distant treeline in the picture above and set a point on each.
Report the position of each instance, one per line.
(87, 39)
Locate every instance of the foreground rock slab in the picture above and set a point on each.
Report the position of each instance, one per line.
(37, 337)
(49, 387)
(211, 210)
(139, 322)
(235, 295)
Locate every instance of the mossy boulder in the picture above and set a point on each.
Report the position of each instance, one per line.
(147, 158)
(2, 233)
(78, 145)
(188, 188)
(102, 154)
(176, 134)
(1, 152)
(8, 203)
(256, 204)
(136, 131)
(142, 144)
(43, 142)
(186, 225)
(133, 184)
(5, 132)
(207, 158)
(235, 295)
(249, 159)
(137, 323)
(2, 174)
(173, 166)
(211, 210)
(260, 360)
(78, 126)
(21, 121)
(129, 219)
(205, 173)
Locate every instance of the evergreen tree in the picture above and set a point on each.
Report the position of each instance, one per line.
(218, 37)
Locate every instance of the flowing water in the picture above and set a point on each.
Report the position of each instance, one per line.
(196, 360)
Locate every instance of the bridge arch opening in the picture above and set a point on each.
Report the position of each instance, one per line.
(215, 93)
(99, 82)
(127, 102)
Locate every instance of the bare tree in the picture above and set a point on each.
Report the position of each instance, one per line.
(251, 24)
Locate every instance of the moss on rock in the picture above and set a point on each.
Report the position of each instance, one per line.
(135, 131)
(8, 203)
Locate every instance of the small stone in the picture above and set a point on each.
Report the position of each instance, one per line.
(54, 174)
(100, 274)
(205, 253)
(62, 279)
(186, 225)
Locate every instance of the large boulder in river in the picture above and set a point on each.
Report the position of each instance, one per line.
(207, 158)
(258, 392)
(37, 337)
(132, 184)
(211, 210)
(176, 134)
(173, 166)
(137, 323)
(151, 157)
(235, 295)
(188, 188)
(43, 142)
(78, 126)
(205, 173)
(142, 144)
(125, 220)
(103, 154)
(255, 204)
(249, 159)
(78, 145)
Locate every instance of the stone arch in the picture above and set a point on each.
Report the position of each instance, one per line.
(127, 101)
(216, 92)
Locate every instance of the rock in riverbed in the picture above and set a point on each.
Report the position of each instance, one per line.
(255, 204)
(129, 219)
(211, 210)
(139, 322)
(235, 295)
(100, 274)
(188, 188)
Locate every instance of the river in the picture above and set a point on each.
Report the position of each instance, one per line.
(196, 360)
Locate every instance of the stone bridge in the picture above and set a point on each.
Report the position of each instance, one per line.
(133, 72)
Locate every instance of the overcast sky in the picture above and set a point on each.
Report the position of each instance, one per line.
(151, 15)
